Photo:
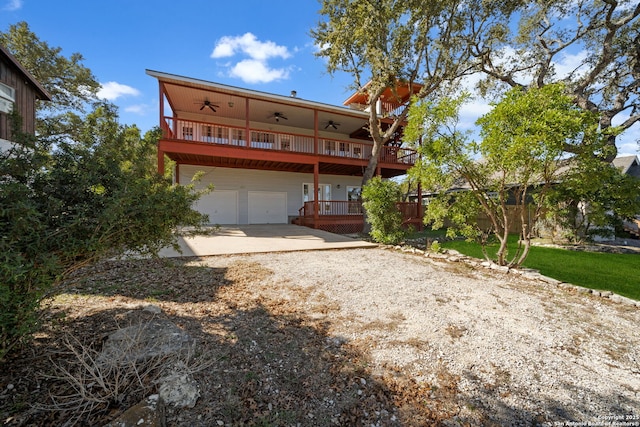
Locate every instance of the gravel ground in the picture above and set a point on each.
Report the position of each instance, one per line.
(362, 337)
(520, 352)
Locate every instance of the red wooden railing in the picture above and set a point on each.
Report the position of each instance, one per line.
(347, 217)
(203, 132)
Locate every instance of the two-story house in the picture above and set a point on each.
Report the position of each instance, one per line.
(19, 90)
(273, 158)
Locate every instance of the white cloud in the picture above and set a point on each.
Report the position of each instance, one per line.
(254, 71)
(568, 63)
(114, 90)
(250, 46)
(255, 68)
(140, 109)
(13, 5)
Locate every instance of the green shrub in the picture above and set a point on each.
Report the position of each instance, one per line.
(380, 203)
(62, 208)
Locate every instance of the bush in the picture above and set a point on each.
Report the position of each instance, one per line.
(380, 203)
(95, 196)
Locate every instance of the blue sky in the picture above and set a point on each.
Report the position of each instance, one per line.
(255, 44)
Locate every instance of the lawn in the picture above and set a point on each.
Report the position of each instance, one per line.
(618, 273)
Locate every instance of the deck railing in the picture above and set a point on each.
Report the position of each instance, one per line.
(338, 208)
(331, 207)
(188, 130)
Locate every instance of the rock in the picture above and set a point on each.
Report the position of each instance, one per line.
(152, 338)
(147, 413)
(151, 308)
(500, 268)
(549, 280)
(622, 300)
(178, 388)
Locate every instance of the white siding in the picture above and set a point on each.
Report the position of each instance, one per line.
(244, 180)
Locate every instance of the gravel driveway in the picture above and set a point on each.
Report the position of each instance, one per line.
(518, 351)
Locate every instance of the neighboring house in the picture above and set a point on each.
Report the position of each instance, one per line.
(627, 165)
(18, 90)
(273, 158)
(630, 165)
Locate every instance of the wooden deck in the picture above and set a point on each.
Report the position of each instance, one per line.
(209, 143)
(346, 217)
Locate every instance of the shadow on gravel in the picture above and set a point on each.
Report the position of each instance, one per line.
(268, 365)
(492, 403)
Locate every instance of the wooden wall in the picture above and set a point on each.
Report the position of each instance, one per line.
(25, 98)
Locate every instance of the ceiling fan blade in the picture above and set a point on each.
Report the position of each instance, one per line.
(212, 109)
(202, 107)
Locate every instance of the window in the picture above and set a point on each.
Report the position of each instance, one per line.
(357, 152)
(354, 198)
(285, 143)
(238, 136)
(324, 192)
(222, 138)
(187, 133)
(330, 147)
(207, 133)
(7, 98)
(262, 140)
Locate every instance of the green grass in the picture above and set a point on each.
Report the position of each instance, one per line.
(618, 273)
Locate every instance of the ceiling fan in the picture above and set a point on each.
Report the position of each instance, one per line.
(278, 116)
(332, 124)
(207, 103)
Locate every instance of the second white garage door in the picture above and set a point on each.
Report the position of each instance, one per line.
(267, 207)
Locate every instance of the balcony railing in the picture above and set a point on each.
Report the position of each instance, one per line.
(203, 132)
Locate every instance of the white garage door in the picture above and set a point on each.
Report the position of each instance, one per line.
(266, 207)
(220, 205)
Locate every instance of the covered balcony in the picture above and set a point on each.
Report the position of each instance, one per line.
(198, 142)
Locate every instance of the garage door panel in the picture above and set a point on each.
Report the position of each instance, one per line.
(267, 207)
(220, 205)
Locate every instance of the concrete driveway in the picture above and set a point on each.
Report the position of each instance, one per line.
(242, 239)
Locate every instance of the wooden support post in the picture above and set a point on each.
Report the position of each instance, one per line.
(316, 184)
(160, 161)
(246, 125)
(315, 132)
(419, 208)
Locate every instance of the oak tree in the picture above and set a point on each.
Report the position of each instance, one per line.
(592, 46)
(510, 170)
(388, 44)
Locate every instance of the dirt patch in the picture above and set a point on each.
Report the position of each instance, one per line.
(353, 337)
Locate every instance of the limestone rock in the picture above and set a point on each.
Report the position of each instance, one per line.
(178, 388)
(147, 413)
(152, 338)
